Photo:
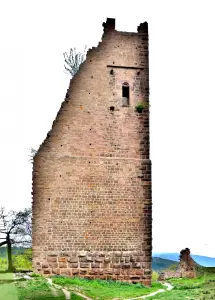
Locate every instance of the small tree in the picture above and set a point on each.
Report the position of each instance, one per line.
(18, 230)
(73, 60)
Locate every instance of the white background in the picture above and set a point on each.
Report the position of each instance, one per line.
(33, 37)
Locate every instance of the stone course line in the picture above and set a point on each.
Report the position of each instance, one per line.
(103, 157)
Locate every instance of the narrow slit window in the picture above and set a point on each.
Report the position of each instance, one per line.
(125, 94)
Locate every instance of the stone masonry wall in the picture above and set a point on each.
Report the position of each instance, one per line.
(92, 208)
(186, 267)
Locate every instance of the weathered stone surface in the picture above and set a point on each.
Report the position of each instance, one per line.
(75, 271)
(186, 267)
(53, 265)
(136, 265)
(73, 259)
(47, 271)
(107, 259)
(51, 259)
(92, 174)
(62, 259)
(95, 265)
(56, 271)
(73, 265)
(116, 266)
(126, 266)
(89, 259)
(62, 265)
(99, 259)
(84, 265)
(82, 253)
(66, 271)
(83, 272)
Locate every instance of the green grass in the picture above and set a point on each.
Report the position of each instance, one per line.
(201, 288)
(7, 287)
(105, 289)
(37, 289)
(76, 297)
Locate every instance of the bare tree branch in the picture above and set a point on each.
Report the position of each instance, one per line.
(73, 60)
(33, 152)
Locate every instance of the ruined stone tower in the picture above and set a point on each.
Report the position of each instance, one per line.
(92, 209)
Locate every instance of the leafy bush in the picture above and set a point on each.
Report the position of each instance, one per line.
(140, 106)
(3, 263)
(154, 276)
(23, 260)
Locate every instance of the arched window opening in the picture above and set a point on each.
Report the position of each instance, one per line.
(125, 94)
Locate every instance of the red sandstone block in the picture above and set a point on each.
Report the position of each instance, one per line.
(124, 271)
(93, 272)
(47, 271)
(89, 277)
(147, 272)
(83, 272)
(118, 253)
(132, 271)
(116, 266)
(83, 259)
(56, 271)
(115, 260)
(62, 265)
(116, 271)
(139, 272)
(75, 271)
(135, 277)
(136, 265)
(126, 266)
(62, 259)
(73, 265)
(139, 258)
(72, 259)
(95, 265)
(67, 272)
(108, 271)
(51, 259)
(99, 259)
(84, 265)
(53, 265)
(90, 259)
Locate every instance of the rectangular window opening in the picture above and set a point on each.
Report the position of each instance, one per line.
(125, 95)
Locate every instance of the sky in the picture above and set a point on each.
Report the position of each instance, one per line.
(33, 37)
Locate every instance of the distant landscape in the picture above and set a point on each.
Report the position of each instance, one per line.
(204, 261)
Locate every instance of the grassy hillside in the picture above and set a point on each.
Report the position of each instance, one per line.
(15, 250)
(159, 264)
(201, 260)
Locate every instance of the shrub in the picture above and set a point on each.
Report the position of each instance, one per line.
(140, 106)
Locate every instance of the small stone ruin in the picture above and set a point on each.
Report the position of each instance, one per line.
(186, 267)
